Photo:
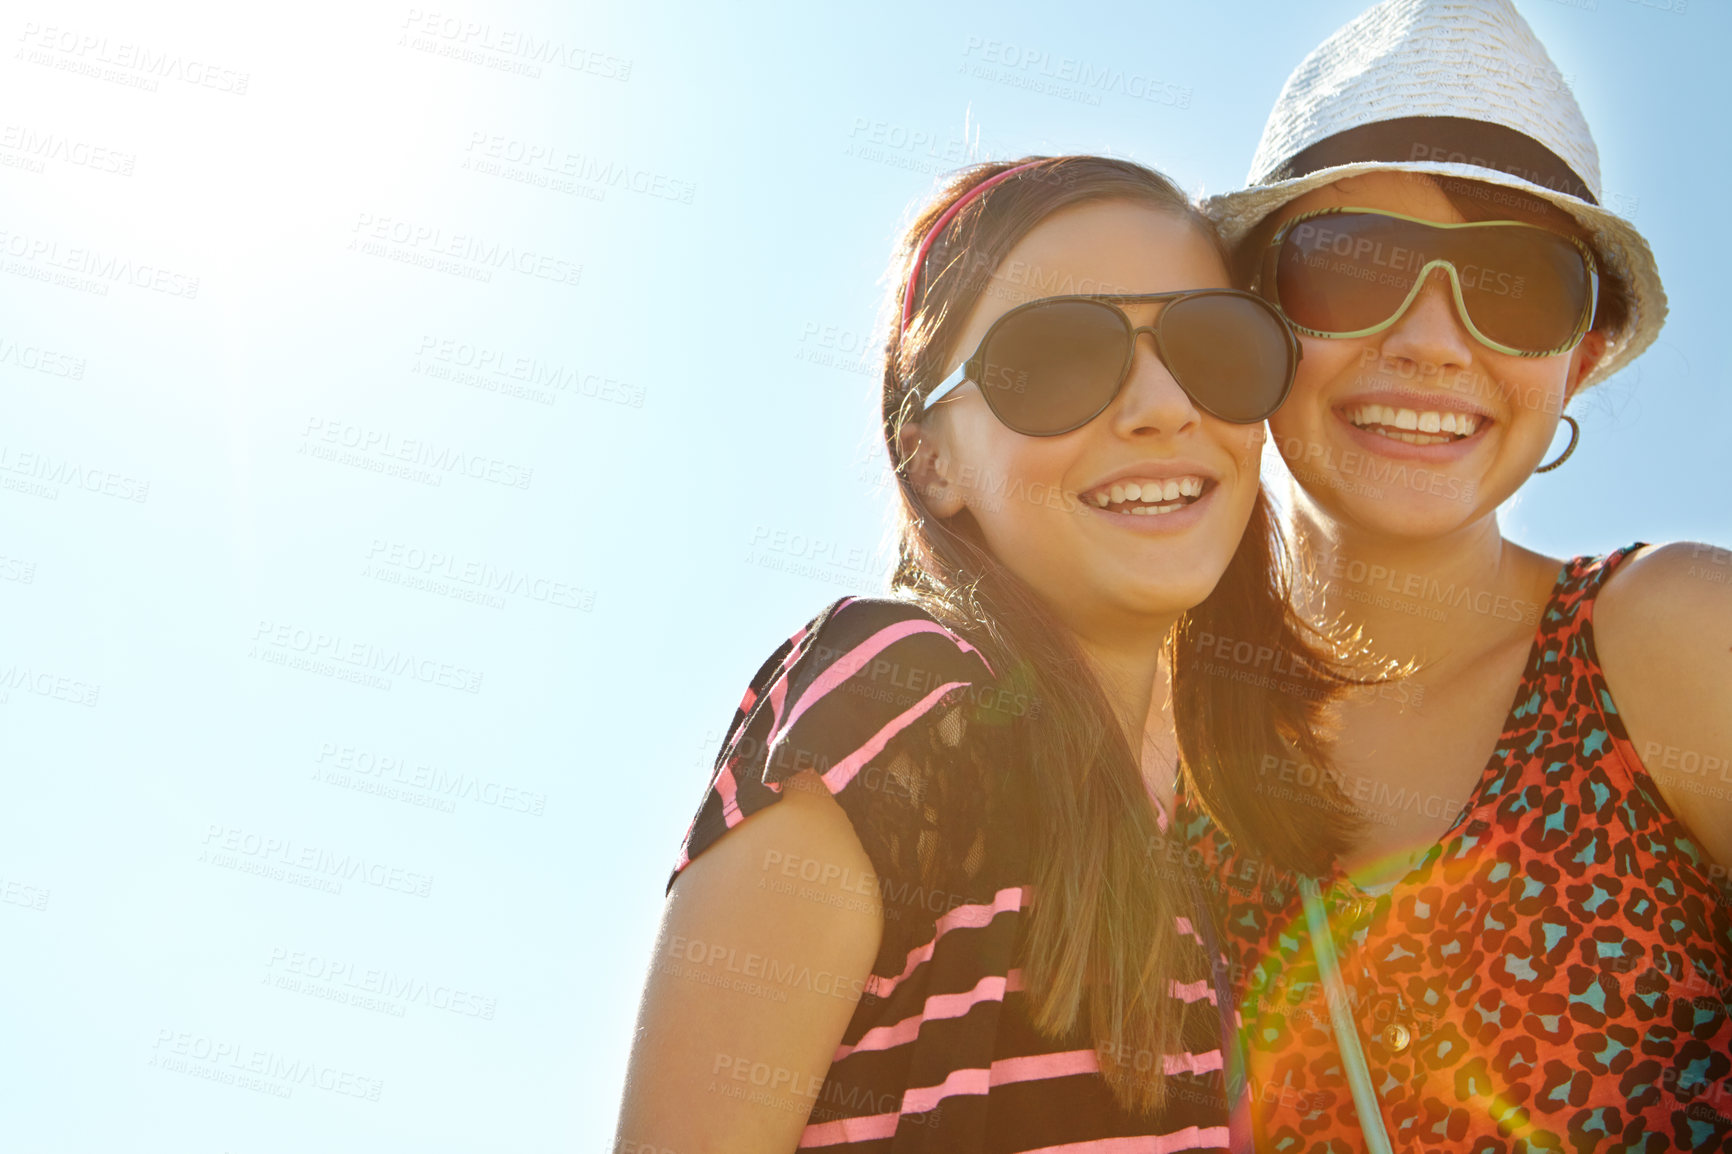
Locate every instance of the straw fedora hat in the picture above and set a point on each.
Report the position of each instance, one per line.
(1459, 88)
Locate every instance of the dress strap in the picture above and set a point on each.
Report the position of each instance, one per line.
(1582, 578)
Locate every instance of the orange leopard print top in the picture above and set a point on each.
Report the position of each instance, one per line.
(1554, 974)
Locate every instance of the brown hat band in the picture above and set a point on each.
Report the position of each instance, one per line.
(1438, 140)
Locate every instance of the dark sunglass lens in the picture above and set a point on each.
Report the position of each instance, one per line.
(1524, 287)
(1347, 272)
(1053, 365)
(1229, 352)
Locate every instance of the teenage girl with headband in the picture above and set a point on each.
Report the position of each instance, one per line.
(929, 902)
(1527, 949)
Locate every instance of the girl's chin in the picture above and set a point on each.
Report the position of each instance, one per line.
(1410, 515)
(1396, 494)
(1165, 595)
(1121, 600)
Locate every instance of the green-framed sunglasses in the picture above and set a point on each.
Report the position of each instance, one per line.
(1520, 289)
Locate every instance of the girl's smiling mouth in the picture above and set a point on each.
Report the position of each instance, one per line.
(1149, 496)
(1412, 426)
(1429, 427)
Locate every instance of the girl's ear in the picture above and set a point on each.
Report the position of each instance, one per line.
(1587, 354)
(928, 469)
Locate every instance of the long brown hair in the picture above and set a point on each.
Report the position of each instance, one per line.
(1102, 927)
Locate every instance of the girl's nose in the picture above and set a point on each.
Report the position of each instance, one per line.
(1431, 332)
(1151, 402)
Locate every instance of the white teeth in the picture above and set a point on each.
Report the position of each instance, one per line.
(1412, 420)
(1156, 496)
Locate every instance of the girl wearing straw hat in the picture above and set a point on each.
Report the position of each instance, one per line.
(1529, 948)
(931, 900)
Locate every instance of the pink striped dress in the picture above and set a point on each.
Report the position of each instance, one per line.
(911, 731)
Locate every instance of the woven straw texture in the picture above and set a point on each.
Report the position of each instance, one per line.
(1471, 59)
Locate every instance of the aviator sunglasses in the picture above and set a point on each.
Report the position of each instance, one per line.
(1520, 289)
(1053, 365)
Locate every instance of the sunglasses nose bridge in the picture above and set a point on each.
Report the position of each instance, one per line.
(1421, 286)
(1137, 332)
(1161, 398)
(1399, 326)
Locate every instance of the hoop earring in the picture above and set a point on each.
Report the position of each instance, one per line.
(1575, 435)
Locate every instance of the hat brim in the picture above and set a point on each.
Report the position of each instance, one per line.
(1615, 241)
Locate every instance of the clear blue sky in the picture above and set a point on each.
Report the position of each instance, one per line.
(227, 692)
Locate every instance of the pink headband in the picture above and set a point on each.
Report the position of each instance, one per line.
(938, 227)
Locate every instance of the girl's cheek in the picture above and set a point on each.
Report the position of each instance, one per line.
(1245, 442)
(1326, 361)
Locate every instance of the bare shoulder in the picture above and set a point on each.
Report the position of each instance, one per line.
(1699, 573)
(1663, 628)
(1668, 607)
(766, 944)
